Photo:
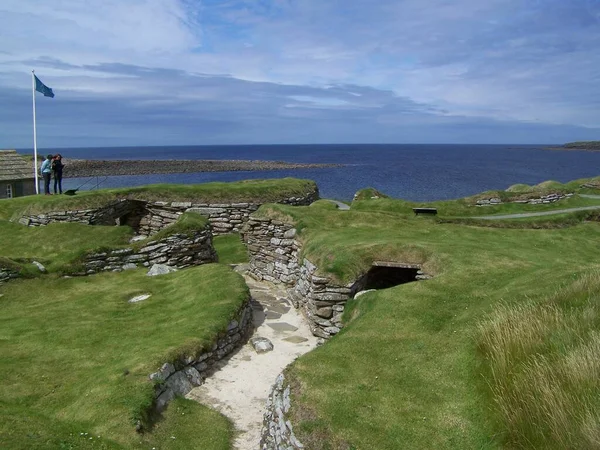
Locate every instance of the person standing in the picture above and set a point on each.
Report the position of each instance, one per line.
(46, 170)
(57, 169)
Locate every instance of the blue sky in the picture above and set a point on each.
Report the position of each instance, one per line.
(144, 72)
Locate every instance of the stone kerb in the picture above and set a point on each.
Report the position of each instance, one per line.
(178, 250)
(179, 377)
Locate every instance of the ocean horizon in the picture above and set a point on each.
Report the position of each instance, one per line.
(418, 172)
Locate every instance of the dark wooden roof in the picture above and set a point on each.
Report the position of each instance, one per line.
(14, 167)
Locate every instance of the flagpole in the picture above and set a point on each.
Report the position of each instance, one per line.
(35, 160)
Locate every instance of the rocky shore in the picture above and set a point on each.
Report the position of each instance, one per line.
(75, 168)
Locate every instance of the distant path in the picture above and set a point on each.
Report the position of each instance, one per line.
(341, 206)
(541, 213)
(597, 197)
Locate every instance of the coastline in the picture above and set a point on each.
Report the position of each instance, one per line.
(81, 168)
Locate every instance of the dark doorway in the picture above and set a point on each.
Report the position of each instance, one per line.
(386, 275)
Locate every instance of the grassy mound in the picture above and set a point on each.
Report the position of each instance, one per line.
(263, 191)
(77, 355)
(405, 372)
(519, 188)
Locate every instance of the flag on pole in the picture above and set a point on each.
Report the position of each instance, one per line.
(41, 87)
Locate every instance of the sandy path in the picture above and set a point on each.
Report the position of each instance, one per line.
(239, 389)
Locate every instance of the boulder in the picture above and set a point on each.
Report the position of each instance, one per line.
(160, 269)
(261, 344)
(40, 266)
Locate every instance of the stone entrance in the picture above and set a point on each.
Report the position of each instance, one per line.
(386, 274)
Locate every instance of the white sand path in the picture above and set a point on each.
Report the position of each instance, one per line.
(239, 388)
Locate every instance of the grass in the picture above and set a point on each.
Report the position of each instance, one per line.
(230, 249)
(406, 372)
(57, 244)
(76, 357)
(543, 360)
(263, 191)
(466, 208)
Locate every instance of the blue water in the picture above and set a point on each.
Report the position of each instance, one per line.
(412, 172)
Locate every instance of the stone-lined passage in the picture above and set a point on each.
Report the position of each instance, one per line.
(180, 377)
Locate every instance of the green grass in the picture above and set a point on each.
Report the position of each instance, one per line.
(187, 223)
(263, 191)
(466, 208)
(57, 244)
(406, 371)
(230, 249)
(76, 357)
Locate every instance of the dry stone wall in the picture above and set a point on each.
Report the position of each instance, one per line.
(7, 274)
(277, 431)
(178, 250)
(550, 198)
(148, 218)
(273, 252)
(180, 377)
(274, 256)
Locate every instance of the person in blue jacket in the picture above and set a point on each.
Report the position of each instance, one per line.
(46, 170)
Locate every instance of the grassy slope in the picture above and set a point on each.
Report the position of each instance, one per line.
(407, 364)
(230, 249)
(269, 190)
(76, 356)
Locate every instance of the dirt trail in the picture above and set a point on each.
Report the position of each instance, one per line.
(240, 387)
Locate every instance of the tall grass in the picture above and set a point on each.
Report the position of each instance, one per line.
(543, 361)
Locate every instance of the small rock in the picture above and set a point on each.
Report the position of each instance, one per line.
(160, 269)
(129, 266)
(139, 298)
(358, 294)
(137, 238)
(261, 344)
(40, 266)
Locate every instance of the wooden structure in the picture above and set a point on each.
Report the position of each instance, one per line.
(432, 211)
(16, 175)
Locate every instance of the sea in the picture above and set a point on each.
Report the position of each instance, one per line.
(412, 172)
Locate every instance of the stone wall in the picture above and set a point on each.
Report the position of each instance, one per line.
(178, 250)
(180, 377)
(550, 198)
(7, 274)
(274, 256)
(148, 218)
(277, 432)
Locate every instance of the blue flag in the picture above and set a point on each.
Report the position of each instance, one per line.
(41, 87)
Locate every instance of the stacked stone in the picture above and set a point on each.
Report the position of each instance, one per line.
(273, 250)
(180, 377)
(155, 216)
(277, 432)
(80, 216)
(178, 250)
(550, 198)
(322, 300)
(7, 274)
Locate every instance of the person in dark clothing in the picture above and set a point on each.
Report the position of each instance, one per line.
(57, 169)
(46, 170)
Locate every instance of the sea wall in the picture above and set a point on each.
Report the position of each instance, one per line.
(550, 198)
(148, 218)
(180, 377)
(277, 431)
(177, 250)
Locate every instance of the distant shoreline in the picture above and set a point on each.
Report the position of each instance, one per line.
(81, 168)
(588, 146)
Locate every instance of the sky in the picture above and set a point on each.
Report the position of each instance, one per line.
(193, 72)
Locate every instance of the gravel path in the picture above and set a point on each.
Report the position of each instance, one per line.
(240, 387)
(541, 213)
(79, 168)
